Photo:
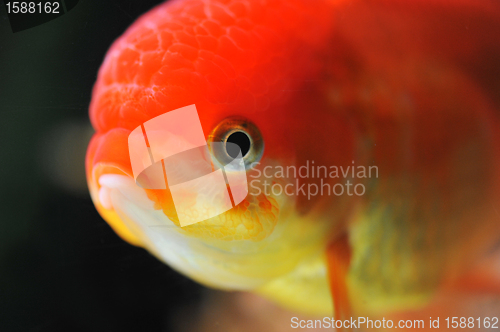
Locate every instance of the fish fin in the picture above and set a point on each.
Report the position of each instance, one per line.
(475, 293)
(338, 262)
(480, 282)
(483, 278)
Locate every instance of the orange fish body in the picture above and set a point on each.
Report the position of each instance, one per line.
(408, 87)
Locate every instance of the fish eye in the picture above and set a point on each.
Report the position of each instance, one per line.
(237, 135)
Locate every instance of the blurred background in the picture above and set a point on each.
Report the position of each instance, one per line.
(62, 268)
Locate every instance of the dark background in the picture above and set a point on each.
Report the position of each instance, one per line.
(62, 268)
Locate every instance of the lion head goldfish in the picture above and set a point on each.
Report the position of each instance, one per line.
(410, 88)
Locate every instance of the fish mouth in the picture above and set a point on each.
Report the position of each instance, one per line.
(244, 248)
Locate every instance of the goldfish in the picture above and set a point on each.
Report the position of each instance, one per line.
(369, 131)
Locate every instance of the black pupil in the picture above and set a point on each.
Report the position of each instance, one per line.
(242, 140)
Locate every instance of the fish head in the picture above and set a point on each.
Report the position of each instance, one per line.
(248, 93)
